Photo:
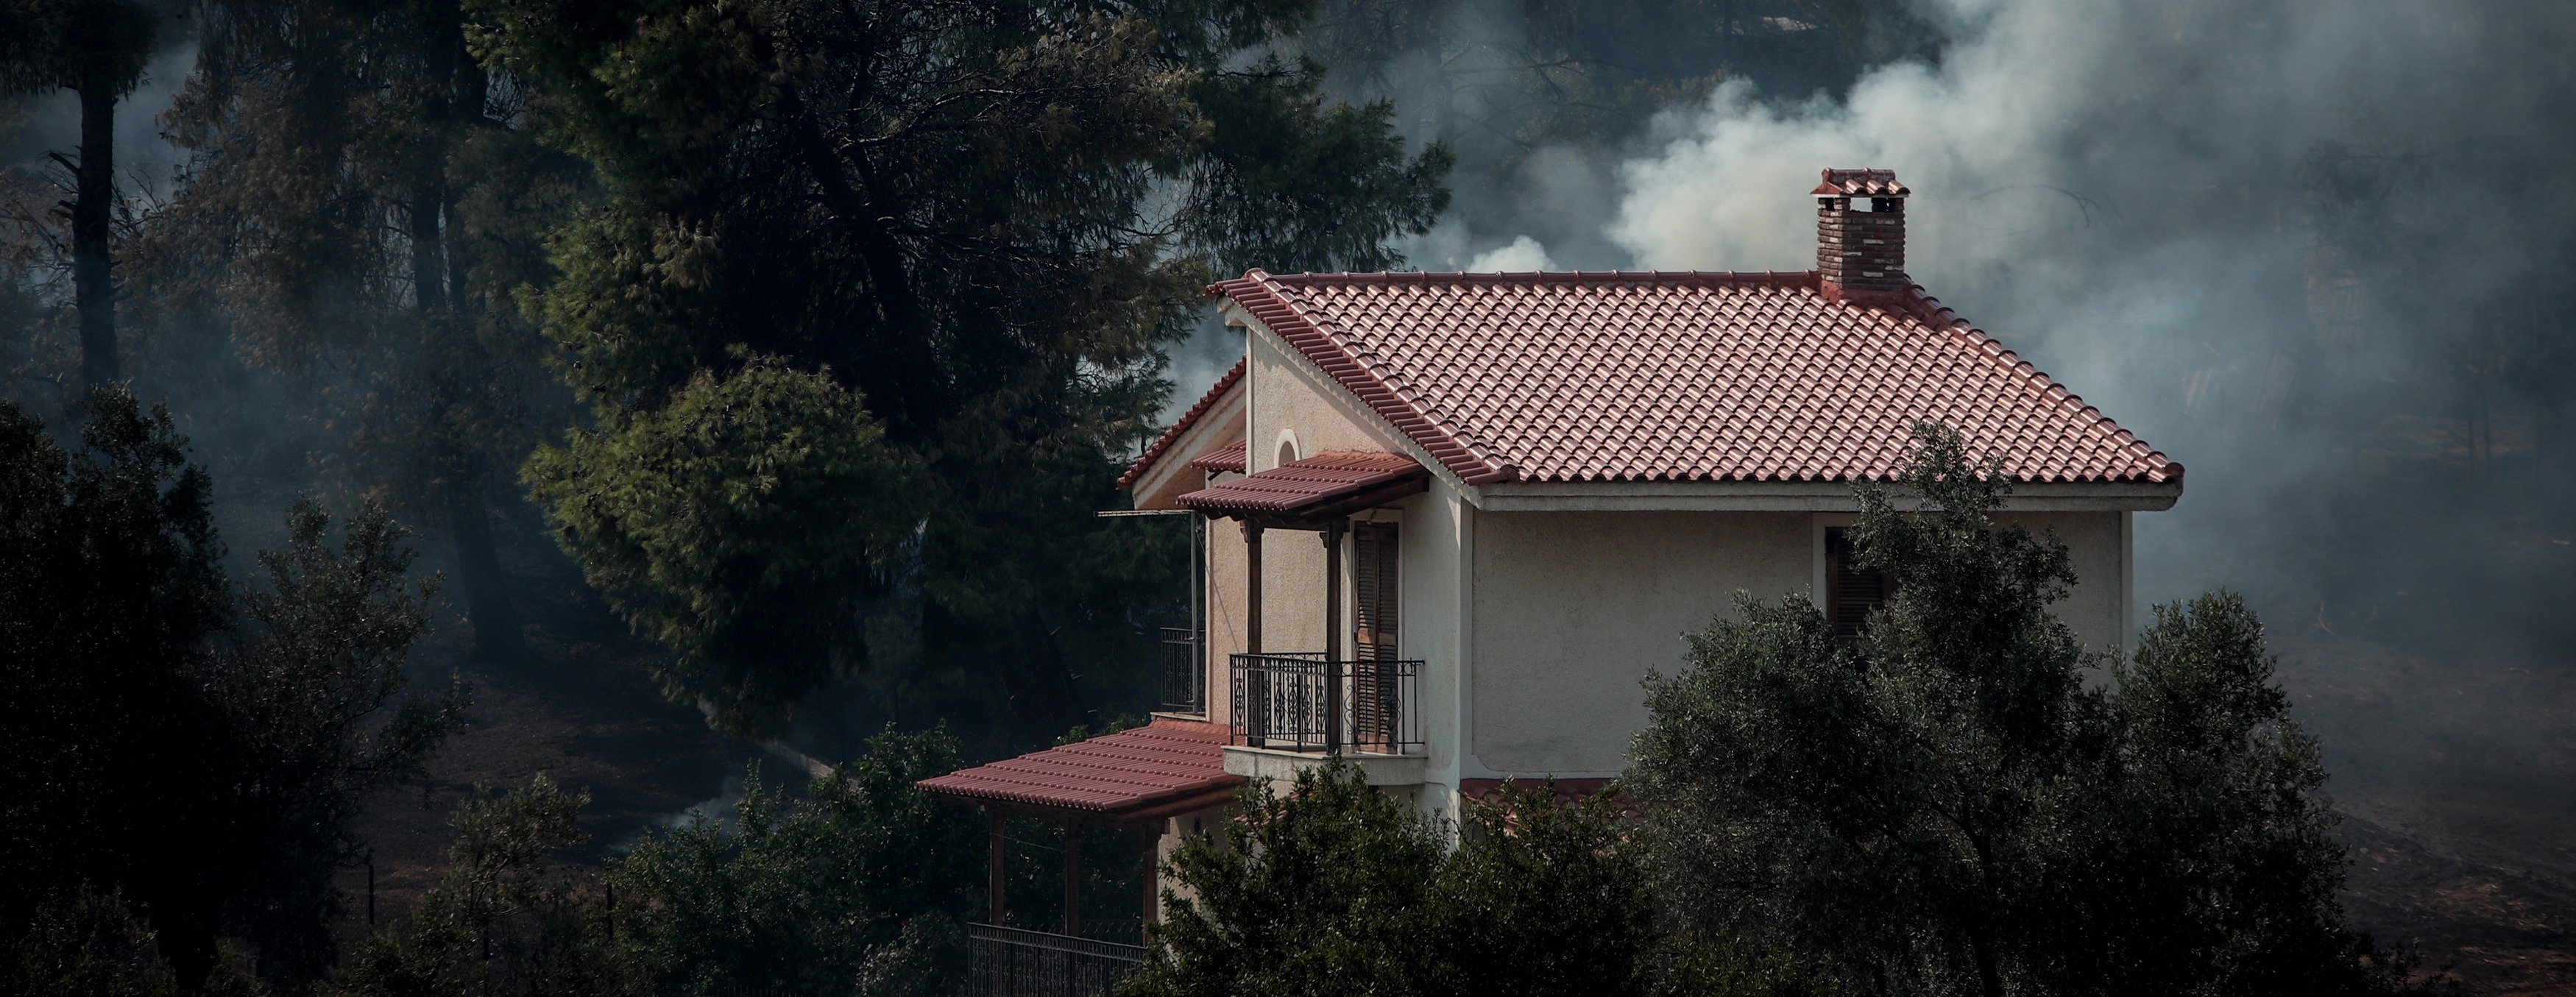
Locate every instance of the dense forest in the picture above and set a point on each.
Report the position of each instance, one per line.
(745, 376)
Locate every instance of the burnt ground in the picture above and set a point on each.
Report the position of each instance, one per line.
(2458, 782)
(583, 711)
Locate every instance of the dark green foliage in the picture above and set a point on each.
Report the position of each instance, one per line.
(984, 219)
(859, 886)
(1322, 890)
(358, 212)
(499, 920)
(74, 45)
(1949, 807)
(1543, 898)
(111, 583)
(862, 886)
(1337, 888)
(1278, 195)
(310, 711)
(741, 523)
(85, 945)
(198, 750)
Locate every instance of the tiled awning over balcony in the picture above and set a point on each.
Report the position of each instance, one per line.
(1226, 458)
(1335, 483)
(1163, 768)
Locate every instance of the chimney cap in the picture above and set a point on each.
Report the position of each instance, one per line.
(1860, 183)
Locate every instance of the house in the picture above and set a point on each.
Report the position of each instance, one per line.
(1453, 519)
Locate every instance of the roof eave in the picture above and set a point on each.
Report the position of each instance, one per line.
(1226, 390)
(1798, 496)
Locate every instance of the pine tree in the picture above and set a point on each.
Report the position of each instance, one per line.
(98, 49)
(982, 222)
(359, 209)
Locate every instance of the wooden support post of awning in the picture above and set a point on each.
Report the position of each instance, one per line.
(993, 862)
(1254, 724)
(1073, 879)
(1136, 780)
(1153, 909)
(1252, 588)
(1333, 634)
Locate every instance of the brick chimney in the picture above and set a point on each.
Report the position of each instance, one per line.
(1860, 234)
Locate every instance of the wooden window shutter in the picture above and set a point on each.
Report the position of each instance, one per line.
(1373, 586)
(1851, 594)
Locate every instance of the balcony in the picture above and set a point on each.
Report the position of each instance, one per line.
(1304, 701)
(1016, 962)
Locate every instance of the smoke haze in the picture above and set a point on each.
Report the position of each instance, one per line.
(2316, 251)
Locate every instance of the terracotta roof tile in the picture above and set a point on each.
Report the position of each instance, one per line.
(1299, 486)
(1145, 461)
(1689, 375)
(1167, 761)
(1227, 458)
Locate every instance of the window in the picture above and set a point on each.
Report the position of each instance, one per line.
(1851, 594)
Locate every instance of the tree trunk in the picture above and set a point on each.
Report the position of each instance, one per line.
(93, 209)
(1038, 684)
(497, 636)
(428, 253)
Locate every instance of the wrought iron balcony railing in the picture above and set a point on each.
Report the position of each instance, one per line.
(1016, 962)
(1184, 670)
(1302, 701)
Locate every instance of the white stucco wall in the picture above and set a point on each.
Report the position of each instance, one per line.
(1292, 400)
(1570, 610)
(1535, 628)
(1225, 602)
(1431, 595)
(1293, 403)
(2098, 607)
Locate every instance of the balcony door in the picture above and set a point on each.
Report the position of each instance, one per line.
(1373, 588)
(1373, 585)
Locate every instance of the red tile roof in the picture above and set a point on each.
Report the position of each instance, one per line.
(1860, 183)
(1680, 376)
(1145, 461)
(1305, 486)
(1127, 774)
(1227, 458)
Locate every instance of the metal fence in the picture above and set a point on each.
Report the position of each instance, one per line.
(1015, 962)
(1184, 670)
(1301, 701)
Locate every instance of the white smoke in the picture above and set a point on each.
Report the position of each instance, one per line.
(2115, 189)
(1521, 255)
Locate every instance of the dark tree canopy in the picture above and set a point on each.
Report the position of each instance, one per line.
(195, 749)
(359, 208)
(1953, 806)
(87, 45)
(860, 885)
(982, 222)
(1335, 887)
